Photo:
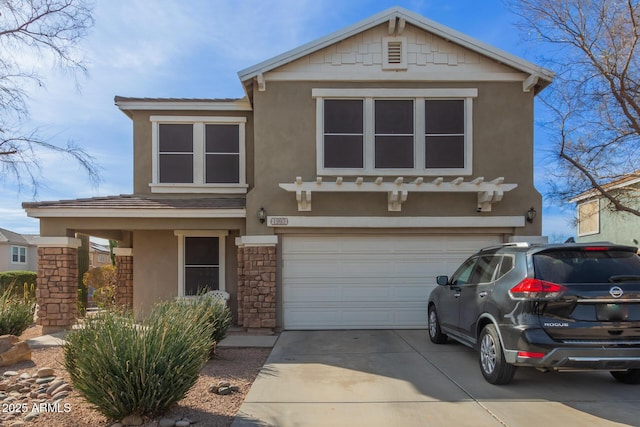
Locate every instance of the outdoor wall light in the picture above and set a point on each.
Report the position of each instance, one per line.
(262, 215)
(531, 215)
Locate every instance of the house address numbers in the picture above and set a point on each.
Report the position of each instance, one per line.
(277, 221)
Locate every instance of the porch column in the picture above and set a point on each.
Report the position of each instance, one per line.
(57, 283)
(257, 261)
(124, 274)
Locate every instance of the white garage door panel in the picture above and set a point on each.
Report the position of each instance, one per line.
(337, 282)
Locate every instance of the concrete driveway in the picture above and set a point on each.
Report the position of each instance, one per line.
(398, 378)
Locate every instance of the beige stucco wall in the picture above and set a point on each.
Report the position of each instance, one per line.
(285, 147)
(142, 143)
(155, 268)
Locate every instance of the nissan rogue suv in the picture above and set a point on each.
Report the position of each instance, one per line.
(551, 307)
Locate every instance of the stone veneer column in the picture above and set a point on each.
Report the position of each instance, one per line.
(57, 291)
(124, 273)
(257, 261)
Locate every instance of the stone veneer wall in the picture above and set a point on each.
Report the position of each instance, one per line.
(57, 292)
(124, 289)
(257, 286)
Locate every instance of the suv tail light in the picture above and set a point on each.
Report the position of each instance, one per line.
(536, 289)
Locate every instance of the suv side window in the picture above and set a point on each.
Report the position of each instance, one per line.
(463, 274)
(485, 269)
(506, 265)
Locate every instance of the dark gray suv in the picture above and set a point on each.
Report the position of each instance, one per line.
(552, 307)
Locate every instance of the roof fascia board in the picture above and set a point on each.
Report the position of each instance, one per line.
(414, 19)
(243, 105)
(594, 193)
(134, 213)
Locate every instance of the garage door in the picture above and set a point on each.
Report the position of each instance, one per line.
(349, 282)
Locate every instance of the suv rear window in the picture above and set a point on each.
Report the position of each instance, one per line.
(585, 266)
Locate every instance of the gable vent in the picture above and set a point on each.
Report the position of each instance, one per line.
(394, 53)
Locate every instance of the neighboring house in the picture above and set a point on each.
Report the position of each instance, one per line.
(356, 168)
(99, 255)
(17, 251)
(598, 222)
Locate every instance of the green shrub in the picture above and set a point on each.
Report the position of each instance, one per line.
(16, 313)
(220, 318)
(122, 368)
(16, 279)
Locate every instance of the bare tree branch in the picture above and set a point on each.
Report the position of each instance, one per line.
(43, 29)
(595, 100)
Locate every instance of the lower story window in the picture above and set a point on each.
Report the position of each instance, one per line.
(201, 265)
(201, 261)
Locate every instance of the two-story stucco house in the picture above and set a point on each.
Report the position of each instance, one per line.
(356, 168)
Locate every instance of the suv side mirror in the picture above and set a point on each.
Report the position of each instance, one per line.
(442, 280)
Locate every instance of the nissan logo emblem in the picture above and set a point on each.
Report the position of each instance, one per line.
(616, 292)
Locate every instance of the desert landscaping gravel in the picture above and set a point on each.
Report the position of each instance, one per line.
(236, 366)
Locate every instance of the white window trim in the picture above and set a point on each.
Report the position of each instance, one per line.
(597, 218)
(221, 235)
(199, 185)
(26, 254)
(418, 96)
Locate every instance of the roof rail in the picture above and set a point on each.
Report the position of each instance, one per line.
(510, 244)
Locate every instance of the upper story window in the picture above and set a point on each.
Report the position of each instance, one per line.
(589, 218)
(18, 254)
(394, 131)
(198, 154)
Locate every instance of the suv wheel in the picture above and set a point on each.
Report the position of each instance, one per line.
(492, 363)
(435, 334)
(631, 376)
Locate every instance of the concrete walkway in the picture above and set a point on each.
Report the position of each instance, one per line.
(398, 378)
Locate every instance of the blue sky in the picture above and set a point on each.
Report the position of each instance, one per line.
(171, 48)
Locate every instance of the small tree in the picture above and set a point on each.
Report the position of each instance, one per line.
(104, 281)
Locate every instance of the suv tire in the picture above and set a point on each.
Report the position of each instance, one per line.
(493, 365)
(631, 376)
(435, 334)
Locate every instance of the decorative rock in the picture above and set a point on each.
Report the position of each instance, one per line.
(44, 372)
(60, 395)
(25, 376)
(183, 423)
(13, 387)
(45, 380)
(10, 373)
(234, 388)
(18, 352)
(167, 422)
(4, 385)
(17, 424)
(224, 384)
(213, 388)
(7, 341)
(224, 391)
(132, 420)
(54, 385)
(32, 416)
(60, 389)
